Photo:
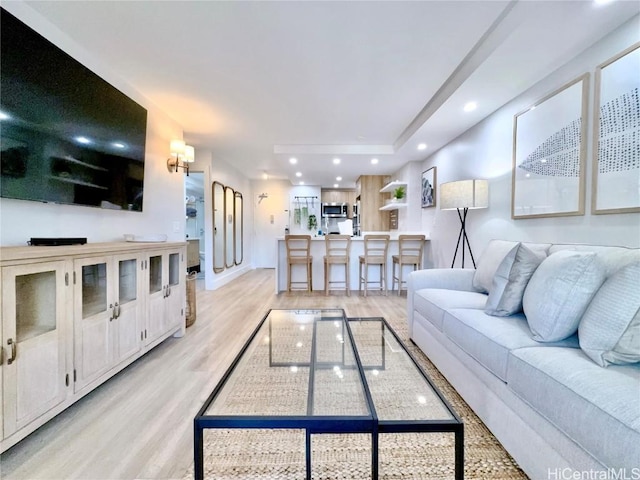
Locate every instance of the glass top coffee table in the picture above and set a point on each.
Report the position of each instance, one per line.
(318, 371)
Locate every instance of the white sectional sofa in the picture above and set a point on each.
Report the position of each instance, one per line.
(549, 400)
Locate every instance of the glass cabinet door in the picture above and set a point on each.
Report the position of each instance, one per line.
(155, 273)
(94, 289)
(34, 334)
(36, 308)
(174, 269)
(127, 281)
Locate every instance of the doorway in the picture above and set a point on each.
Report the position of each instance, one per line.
(195, 220)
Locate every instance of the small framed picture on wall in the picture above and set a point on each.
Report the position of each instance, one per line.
(428, 191)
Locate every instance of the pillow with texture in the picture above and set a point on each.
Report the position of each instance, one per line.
(609, 331)
(511, 279)
(488, 263)
(559, 292)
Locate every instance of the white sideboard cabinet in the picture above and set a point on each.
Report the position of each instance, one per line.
(73, 316)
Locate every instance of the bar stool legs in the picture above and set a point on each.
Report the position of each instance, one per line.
(299, 253)
(410, 250)
(375, 253)
(337, 247)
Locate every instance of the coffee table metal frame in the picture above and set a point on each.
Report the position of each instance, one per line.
(318, 424)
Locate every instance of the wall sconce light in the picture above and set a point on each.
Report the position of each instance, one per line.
(180, 153)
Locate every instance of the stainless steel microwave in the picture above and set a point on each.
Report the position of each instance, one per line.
(335, 210)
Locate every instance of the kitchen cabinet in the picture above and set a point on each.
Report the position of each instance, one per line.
(74, 316)
(347, 196)
(371, 199)
(34, 335)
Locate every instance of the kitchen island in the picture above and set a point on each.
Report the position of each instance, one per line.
(318, 252)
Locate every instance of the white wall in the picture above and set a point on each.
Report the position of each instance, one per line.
(274, 212)
(222, 172)
(163, 203)
(485, 151)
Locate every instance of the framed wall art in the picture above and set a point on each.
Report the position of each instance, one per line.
(549, 154)
(616, 135)
(428, 190)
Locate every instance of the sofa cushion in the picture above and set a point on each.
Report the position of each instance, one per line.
(511, 278)
(490, 339)
(559, 292)
(610, 328)
(598, 408)
(432, 302)
(491, 257)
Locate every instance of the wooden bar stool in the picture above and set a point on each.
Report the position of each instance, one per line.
(410, 248)
(337, 254)
(299, 253)
(375, 253)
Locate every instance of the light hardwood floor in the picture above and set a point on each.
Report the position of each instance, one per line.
(138, 425)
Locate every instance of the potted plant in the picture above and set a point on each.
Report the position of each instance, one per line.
(398, 194)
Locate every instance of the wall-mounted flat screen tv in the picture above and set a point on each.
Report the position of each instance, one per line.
(66, 135)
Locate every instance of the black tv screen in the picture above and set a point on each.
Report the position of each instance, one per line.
(66, 135)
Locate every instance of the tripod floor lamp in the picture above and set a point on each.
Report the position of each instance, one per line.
(463, 195)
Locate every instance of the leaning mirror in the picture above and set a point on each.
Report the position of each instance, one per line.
(218, 227)
(239, 225)
(229, 242)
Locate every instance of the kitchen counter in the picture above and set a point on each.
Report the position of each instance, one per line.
(318, 251)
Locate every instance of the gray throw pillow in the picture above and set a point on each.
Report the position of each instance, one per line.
(609, 331)
(559, 292)
(511, 279)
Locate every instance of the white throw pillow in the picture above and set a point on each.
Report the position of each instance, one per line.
(609, 331)
(511, 279)
(488, 263)
(559, 292)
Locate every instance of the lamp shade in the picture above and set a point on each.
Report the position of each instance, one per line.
(464, 194)
(189, 154)
(177, 147)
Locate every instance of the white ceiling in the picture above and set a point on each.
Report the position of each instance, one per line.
(260, 82)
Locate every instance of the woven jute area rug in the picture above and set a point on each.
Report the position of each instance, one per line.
(280, 454)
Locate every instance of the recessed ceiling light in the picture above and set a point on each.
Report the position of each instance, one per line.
(335, 185)
(298, 174)
(602, 2)
(83, 140)
(339, 179)
(543, 160)
(4, 116)
(293, 160)
(374, 161)
(301, 183)
(422, 146)
(470, 106)
(118, 144)
(336, 161)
